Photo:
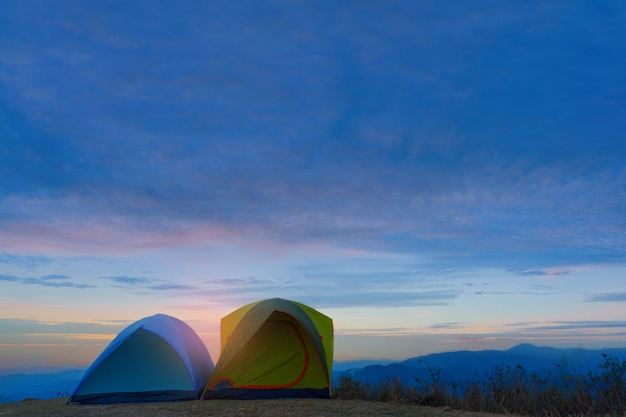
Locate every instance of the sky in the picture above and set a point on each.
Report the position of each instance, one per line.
(434, 176)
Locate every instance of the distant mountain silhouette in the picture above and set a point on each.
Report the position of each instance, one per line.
(17, 387)
(471, 365)
(341, 366)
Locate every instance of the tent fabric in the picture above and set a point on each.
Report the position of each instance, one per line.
(157, 358)
(273, 349)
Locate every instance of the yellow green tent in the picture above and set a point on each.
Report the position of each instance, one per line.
(273, 349)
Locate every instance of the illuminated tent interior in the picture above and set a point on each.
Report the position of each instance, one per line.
(273, 348)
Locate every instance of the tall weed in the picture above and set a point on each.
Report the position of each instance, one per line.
(508, 390)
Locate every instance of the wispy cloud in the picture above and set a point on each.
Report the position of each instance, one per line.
(443, 183)
(29, 326)
(519, 330)
(383, 331)
(143, 283)
(64, 281)
(171, 287)
(54, 277)
(612, 297)
(541, 272)
(241, 282)
(383, 299)
(554, 326)
(58, 281)
(125, 280)
(9, 278)
(495, 336)
(451, 325)
(26, 261)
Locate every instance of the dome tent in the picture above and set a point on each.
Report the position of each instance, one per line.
(157, 358)
(273, 349)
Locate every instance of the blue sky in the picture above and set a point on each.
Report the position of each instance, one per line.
(433, 176)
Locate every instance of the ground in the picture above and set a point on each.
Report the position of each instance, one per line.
(231, 408)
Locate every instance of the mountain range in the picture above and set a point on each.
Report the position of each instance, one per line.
(43, 386)
(471, 365)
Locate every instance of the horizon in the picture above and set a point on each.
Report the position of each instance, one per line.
(430, 176)
(340, 363)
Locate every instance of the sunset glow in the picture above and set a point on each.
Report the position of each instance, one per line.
(434, 177)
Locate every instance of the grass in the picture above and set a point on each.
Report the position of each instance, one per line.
(231, 408)
(508, 390)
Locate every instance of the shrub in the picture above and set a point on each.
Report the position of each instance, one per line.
(350, 389)
(508, 390)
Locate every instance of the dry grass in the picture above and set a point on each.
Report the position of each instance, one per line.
(231, 408)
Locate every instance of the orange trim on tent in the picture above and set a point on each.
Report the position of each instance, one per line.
(319, 357)
(298, 327)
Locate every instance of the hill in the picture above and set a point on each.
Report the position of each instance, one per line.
(472, 365)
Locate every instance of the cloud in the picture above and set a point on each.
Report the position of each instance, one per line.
(383, 331)
(40, 327)
(245, 290)
(448, 336)
(63, 281)
(360, 132)
(25, 261)
(555, 326)
(142, 283)
(612, 297)
(521, 330)
(9, 278)
(382, 299)
(451, 325)
(125, 280)
(58, 281)
(54, 277)
(241, 282)
(48, 283)
(541, 272)
(171, 286)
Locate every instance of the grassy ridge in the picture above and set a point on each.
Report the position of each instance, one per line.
(230, 408)
(508, 390)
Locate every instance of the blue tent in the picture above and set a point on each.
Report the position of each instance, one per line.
(157, 358)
